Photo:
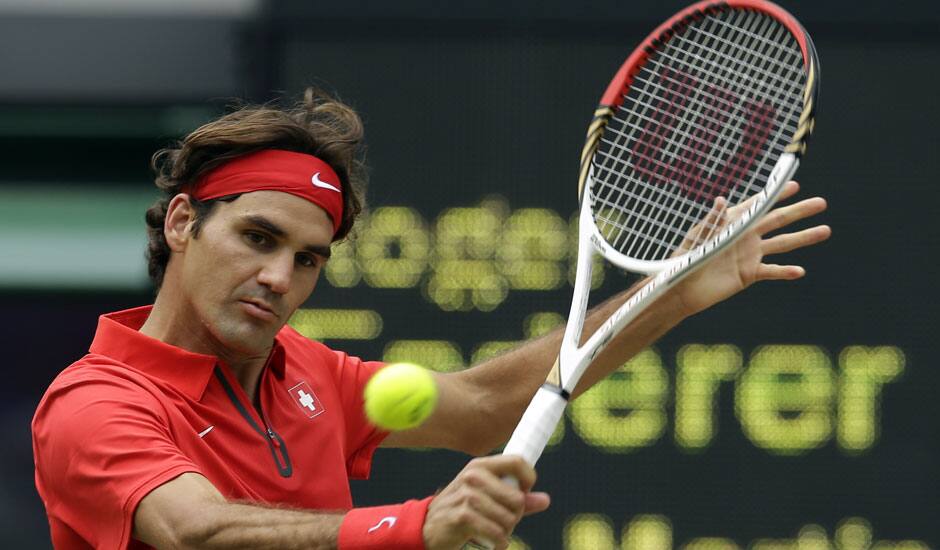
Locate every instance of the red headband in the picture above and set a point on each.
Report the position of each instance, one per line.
(299, 174)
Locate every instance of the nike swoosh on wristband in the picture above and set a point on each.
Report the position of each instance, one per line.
(387, 520)
(317, 182)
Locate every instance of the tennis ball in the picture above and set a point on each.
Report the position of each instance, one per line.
(400, 396)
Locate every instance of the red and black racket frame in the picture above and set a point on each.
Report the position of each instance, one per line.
(617, 89)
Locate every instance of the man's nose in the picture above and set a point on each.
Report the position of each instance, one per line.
(277, 272)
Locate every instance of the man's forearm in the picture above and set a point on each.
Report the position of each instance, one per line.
(505, 384)
(235, 525)
(189, 512)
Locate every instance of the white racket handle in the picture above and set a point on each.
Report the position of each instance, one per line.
(537, 425)
(530, 437)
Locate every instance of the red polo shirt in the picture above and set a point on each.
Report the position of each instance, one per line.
(135, 413)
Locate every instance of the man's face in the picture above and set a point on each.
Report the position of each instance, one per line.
(256, 260)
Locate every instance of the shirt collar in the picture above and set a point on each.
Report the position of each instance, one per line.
(118, 336)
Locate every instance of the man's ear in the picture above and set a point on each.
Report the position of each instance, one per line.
(177, 227)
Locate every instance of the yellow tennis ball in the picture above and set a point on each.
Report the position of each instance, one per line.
(400, 396)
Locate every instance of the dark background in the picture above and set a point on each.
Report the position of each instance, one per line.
(466, 102)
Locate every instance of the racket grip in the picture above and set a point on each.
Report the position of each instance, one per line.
(529, 439)
(537, 425)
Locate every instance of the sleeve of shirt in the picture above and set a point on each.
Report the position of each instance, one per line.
(100, 446)
(362, 437)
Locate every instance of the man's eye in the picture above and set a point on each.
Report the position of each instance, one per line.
(256, 238)
(306, 260)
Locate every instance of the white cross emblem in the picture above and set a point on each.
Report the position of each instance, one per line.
(308, 402)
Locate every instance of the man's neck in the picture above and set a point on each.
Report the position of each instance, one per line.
(175, 325)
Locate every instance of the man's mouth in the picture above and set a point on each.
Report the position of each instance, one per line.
(259, 309)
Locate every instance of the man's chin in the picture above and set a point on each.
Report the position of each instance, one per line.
(249, 339)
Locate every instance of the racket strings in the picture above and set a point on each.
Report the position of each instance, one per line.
(719, 102)
(692, 139)
(783, 70)
(706, 101)
(673, 211)
(612, 215)
(739, 72)
(706, 230)
(710, 224)
(790, 49)
(647, 199)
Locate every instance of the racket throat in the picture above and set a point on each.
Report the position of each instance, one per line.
(554, 375)
(562, 392)
(582, 287)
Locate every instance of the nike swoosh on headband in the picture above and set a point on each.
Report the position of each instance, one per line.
(317, 182)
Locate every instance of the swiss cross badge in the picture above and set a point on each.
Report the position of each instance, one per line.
(306, 399)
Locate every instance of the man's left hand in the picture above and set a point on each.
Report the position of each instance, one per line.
(742, 264)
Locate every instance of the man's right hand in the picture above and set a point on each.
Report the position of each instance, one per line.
(478, 504)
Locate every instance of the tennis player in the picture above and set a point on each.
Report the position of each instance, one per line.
(204, 421)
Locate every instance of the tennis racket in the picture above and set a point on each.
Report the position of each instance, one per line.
(692, 143)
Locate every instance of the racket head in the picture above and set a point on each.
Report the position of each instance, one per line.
(712, 105)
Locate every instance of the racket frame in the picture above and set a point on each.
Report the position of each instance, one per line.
(548, 404)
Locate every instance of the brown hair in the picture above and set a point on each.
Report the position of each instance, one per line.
(318, 125)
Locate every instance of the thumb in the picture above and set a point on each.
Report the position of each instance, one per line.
(536, 502)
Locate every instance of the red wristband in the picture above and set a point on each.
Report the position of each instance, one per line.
(399, 526)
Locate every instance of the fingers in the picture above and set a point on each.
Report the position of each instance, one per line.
(510, 466)
(735, 211)
(774, 272)
(483, 518)
(793, 241)
(536, 502)
(499, 504)
(479, 504)
(785, 215)
(704, 229)
(790, 188)
(712, 222)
